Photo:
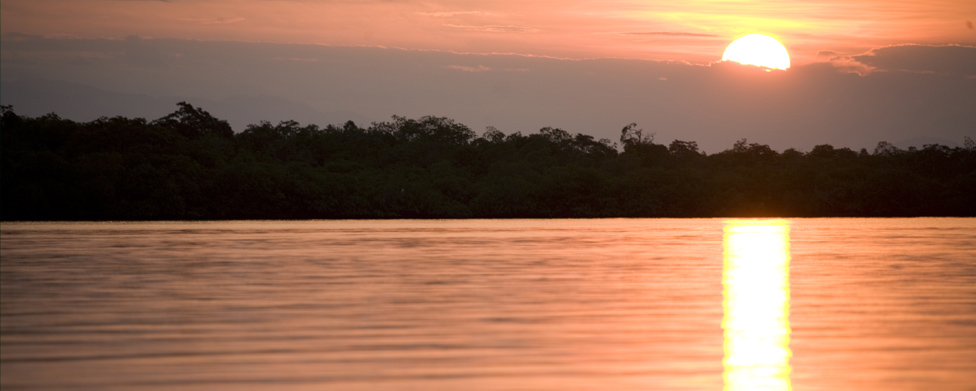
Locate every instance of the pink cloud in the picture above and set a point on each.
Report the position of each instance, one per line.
(479, 68)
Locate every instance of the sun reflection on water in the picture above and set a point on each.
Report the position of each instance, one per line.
(756, 290)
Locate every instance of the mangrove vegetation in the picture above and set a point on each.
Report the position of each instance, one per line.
(189, 165)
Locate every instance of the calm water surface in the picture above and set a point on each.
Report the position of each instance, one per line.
(628, 304)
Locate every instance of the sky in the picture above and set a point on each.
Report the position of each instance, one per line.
(863, 71)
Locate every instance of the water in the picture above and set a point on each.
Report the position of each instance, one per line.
(622, 304)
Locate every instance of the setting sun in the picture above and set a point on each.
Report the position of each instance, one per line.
(758, 49)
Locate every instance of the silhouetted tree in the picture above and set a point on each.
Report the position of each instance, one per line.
(189, 165)
(192, 122)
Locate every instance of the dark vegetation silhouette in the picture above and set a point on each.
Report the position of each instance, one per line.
(190, 165)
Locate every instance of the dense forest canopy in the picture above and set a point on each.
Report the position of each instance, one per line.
(189, 165)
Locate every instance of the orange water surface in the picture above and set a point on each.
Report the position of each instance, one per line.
(610, 304)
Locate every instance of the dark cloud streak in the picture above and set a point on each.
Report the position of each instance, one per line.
(951, 59)
(668, 34)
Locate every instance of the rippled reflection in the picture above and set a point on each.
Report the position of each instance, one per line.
(756, 288)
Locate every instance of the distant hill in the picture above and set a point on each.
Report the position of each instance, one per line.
(243, 110)
(84, 103)
(78, 102)
(919, 142)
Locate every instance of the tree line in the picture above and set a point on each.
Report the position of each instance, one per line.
(190, 165)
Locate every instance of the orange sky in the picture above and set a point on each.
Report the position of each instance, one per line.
(863, 71)
(695, 31)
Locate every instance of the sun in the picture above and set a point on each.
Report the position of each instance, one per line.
(758, 49)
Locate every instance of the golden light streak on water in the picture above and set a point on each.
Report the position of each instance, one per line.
(756, 290)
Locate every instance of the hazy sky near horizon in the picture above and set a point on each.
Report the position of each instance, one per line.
(863, 70)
